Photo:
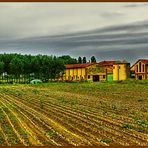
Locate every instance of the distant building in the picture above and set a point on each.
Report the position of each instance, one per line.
(102, 71)
(76, 71)
(140, 69)
(121, 71)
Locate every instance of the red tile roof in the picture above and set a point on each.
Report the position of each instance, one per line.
(106, 63)
(102, 63)
(78, 65)
(145, 61)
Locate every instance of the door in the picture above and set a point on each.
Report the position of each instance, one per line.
(110, 77)
(140, 77)
(95, 78)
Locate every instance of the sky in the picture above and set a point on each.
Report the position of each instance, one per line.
(109, 31)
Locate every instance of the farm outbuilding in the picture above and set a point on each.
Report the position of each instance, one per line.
(76, 71)
(140, 69)
(121, 71)
(89, 71)
(102, 71)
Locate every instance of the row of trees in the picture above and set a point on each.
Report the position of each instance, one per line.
(83, 60)
(68, 60)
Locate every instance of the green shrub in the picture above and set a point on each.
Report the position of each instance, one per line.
(35, 91)
(141, 129)
(128, 126)
(106, 140)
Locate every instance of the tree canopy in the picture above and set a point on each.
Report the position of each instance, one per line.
(84, 60)
(68, 60)
(79, 60)
(41, 66)
(93, 59)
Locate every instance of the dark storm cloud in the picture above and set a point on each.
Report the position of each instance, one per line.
(111, 36)
(117, 42)
(106, 30)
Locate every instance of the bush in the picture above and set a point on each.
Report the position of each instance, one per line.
(127, 126)
(106, 140)
(141, 129)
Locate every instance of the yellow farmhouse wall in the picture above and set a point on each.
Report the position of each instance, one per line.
(121, 71)
(75, 74)
(88, 73)
(95, 69)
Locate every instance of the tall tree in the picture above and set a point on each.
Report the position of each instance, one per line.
(93, 59)
(2, 67)
(84, 60)
(80, 60)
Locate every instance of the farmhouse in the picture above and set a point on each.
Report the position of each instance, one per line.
(102, 71)
(140, 69)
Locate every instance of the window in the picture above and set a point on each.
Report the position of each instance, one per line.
(139, 66)
(88, 76)
(103, 76)
(143, 68)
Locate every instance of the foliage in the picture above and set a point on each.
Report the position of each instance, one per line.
(68, 60)
(1, 67)
(93, 59)
(141, 129)
(84, 60)
(128, 126)
(40, 66)
(79, 60)
(106, 140)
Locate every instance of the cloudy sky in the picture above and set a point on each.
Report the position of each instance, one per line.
(110, 31)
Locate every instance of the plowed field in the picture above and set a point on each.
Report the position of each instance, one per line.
(78, 114)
